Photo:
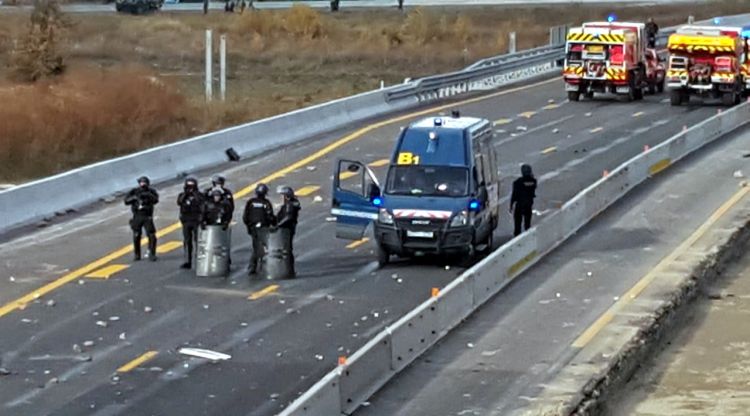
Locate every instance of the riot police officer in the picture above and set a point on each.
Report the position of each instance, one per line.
(522, 199)
(142, 200)
(216, 210)
(258, 215)
(288, 216)
(190, 202)
(652, 29)
(218, 182)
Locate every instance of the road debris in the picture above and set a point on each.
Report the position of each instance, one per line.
(102, 324)
(147, 309)
(4, 371)
(319, 357)
(122, 336)
(114, 318)
(88, 343)
(318, 198)
(203, 353)
(51, 303)
(738, 174)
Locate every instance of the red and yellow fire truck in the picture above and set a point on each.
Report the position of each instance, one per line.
(609, 57)
(708, 61)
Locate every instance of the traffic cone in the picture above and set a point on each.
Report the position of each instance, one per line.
(342, 360)
(435, 292)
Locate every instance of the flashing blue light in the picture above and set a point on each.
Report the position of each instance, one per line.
(717, 20)
(474, 205)
(611, 18)
(377, 201)
(746, 33)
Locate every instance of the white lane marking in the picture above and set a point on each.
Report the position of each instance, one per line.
(543, 126)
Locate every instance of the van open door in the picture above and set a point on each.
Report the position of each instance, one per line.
(356, 196)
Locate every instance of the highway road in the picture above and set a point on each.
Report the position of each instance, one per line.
(501, 358)
(85, 331)
(196, 6)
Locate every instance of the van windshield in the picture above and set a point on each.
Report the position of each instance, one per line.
(421, 180)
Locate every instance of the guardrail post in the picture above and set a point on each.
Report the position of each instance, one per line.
(209, 75)
(512, 43)
(223, 67)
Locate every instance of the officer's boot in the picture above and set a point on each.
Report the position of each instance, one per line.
(188, 257)
(152, 247)
(136, 247)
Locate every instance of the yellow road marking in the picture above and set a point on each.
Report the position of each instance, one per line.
(357, 243)
(596, 130)
(638, 114)
(659, 166)
(264, 292)
(347, 175)
(551, 106)
(107, 271)
(527, 114)
(502, 121)
(307, 190)
(168, 246)
(379, 163)
(146, 356)
(549, 150)
(646, 280)
(306, 161)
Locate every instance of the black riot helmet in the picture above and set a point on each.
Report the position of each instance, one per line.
(191, 183)
(526, 170)
(218, 180)
(261, 190)
(287, 191)
(144, 180)
(217, 193)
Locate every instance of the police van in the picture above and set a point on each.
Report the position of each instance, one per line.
(441, 193)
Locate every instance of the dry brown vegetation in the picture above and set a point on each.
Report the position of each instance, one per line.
(134, 82)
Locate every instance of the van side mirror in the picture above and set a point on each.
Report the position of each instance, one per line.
(373, 191)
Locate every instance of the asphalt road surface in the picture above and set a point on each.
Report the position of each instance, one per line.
(65, 335)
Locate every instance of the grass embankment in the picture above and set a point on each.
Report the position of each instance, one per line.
(134, 82)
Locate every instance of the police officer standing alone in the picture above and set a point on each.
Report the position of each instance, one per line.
(287, 217)
(142, 200)
(190, 202)
(652, 29)
(522, 199)
(258, 215)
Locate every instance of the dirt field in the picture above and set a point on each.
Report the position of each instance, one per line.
(136, 81)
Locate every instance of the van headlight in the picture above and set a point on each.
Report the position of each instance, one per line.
(461, 219)
(385, 217)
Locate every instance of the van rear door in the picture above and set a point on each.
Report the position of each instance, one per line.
(355, 189)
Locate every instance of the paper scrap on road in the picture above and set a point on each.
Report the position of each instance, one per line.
(207, 354)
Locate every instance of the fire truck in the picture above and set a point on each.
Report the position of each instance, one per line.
(607, 57)
(708, 61)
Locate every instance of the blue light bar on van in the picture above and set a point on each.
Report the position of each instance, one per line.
(746, 33)
(717, 20)
(474, 205)
(611, 18)
(377, 201)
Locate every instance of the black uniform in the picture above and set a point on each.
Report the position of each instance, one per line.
(522, 202)
(191, 212)
(227, 196)
(258, 215)
(142, 200)
(652, 29)
(216, 213)
(288, 216)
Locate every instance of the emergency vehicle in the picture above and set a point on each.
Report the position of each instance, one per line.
(441, 192)
(708, 61)
(607, 57)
